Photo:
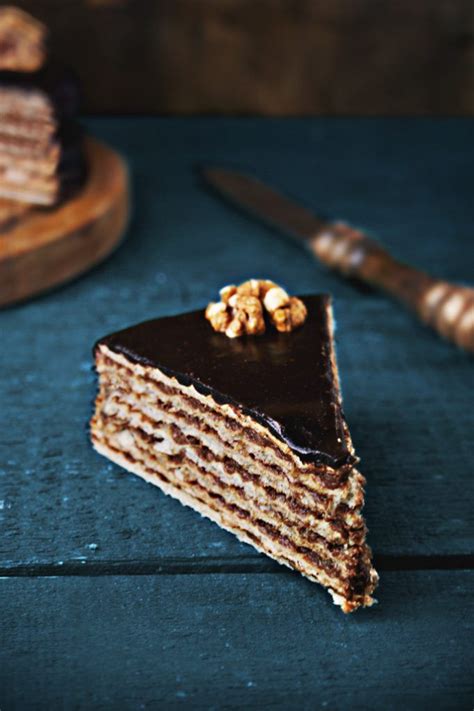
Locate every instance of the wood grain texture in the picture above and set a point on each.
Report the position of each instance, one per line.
(43, 248)
(234, 642)
(284, 57)
(407, 394)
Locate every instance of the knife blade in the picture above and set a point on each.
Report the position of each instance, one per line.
(263, 202)
(448, 308)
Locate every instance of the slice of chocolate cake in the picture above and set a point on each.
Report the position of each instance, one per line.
(248, 432)
(41, 171)
(40, 143)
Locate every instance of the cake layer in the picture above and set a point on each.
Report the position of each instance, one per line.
(30, 105)
(31, 129)
(41, 172)
(47, 165)
(45, 162)
(27, 146)
(46, 197)
(29, 195)
(40, 190)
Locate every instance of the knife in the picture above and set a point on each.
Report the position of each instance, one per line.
(447, 308)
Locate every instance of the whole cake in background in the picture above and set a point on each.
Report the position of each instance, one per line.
(237, 413)
(40, 141)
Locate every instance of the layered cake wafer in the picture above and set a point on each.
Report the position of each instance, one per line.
(40, 143)
(244, 424)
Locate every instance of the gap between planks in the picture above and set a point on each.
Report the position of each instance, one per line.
(215, 565)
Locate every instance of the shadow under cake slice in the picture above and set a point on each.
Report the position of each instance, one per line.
(248, 432)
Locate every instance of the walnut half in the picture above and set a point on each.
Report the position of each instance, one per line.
(241, 310)
(289, 316)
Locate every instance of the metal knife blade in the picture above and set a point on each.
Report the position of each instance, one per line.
(263, 202)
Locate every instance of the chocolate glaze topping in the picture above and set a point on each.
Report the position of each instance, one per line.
(59, 83)
(285, 381)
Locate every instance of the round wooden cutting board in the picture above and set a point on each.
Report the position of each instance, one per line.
(41, 248)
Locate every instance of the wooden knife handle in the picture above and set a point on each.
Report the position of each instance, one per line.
(448, 308)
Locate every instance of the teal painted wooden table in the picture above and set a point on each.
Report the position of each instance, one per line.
(113, 596)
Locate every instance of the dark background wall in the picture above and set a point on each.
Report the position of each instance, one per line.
(277, 57)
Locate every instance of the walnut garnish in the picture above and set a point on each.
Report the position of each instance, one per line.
(226, 292)
(242, 309)
(218, 315)
(289, 316)
(275, 298)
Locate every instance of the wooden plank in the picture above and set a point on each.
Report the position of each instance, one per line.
(407, 394)
(232, 641)
(271, 57)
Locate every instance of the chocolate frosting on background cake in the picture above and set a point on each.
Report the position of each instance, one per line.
(58, 83)
(284, 381)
